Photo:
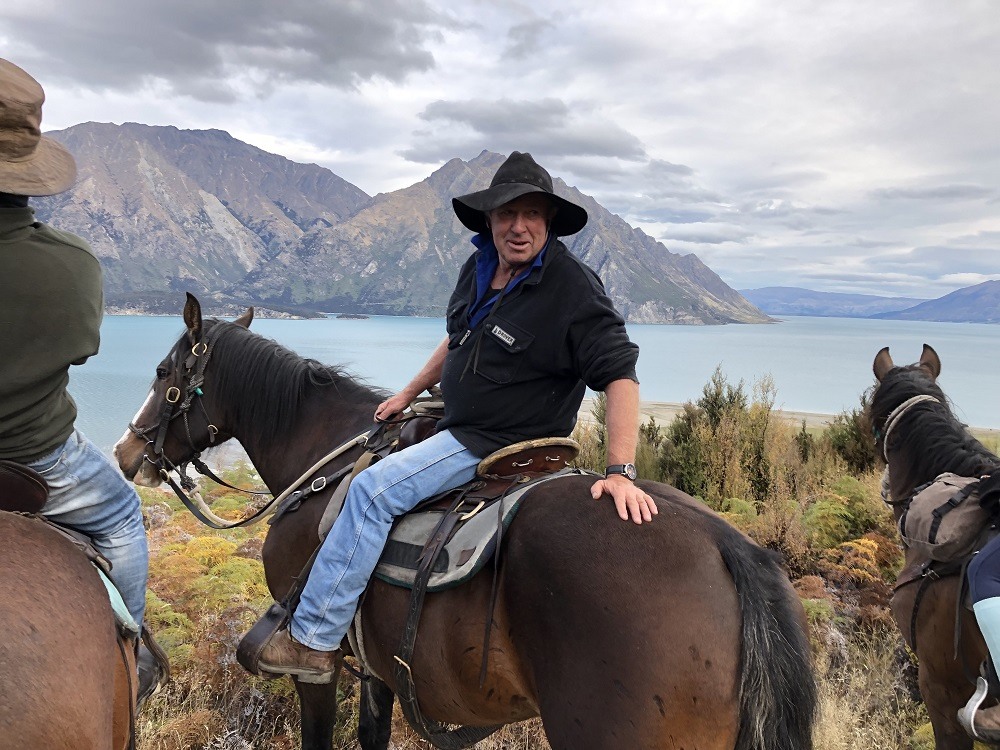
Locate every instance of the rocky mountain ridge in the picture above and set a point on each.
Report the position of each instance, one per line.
(168, 210)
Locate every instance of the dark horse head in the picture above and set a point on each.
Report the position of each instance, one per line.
(220, 381)
(915, 429)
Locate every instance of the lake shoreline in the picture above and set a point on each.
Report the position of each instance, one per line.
(664, 412)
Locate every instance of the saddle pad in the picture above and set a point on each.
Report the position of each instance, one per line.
(469, 548)
(125, 622)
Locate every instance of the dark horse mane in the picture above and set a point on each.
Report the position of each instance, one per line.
(272, 383)
(928, 430)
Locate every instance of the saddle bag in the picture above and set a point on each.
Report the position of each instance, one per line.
(22, 489)
(944, 519)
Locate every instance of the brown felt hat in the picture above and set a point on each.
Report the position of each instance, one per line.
(519, 175)
(30, 163)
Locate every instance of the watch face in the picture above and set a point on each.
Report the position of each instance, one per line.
(626, 470)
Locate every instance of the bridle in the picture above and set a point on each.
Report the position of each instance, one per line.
(177, 403)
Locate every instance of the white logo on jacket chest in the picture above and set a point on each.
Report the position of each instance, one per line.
(501, 334)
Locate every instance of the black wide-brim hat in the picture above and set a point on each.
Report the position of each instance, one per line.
(519, 175)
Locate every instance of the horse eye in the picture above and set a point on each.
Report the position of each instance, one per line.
(161, 373)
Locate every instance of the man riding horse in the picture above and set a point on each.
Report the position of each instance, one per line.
(51, 304)
(529, 328)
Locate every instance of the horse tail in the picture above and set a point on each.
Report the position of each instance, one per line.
(777, 691)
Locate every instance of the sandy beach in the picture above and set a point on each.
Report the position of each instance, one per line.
(664, 413)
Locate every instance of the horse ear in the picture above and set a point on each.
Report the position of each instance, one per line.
(882, 364)
(192, 318)
(245, 319)
(930, 361)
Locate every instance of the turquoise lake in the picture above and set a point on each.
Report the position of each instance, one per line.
(818, 364)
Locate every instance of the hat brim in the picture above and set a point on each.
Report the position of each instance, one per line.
(49, 170)
(471, 209)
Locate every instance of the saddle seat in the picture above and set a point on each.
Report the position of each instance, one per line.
(22, 489)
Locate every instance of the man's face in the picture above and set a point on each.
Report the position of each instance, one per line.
(520, 228)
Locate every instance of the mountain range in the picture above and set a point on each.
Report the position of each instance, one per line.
(974, 304)
(170, 210)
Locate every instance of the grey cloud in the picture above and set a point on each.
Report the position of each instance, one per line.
(201, 49)
(781, 183)
(936, 192)
(707, 234)
(661, 168)
(524, 39)
(546, 126)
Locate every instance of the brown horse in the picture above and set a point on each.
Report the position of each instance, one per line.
(64, 676)
(680, 633)
(924, 440)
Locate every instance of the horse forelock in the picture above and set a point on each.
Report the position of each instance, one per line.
(271, 383)
(928, 437)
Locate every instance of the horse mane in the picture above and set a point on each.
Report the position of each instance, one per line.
(928, 430)
(272, 383)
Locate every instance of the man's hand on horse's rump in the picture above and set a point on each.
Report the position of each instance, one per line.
(630, 501)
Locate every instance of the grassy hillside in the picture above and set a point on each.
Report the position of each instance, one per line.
(812, 495)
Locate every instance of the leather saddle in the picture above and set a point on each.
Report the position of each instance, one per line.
(22, 489)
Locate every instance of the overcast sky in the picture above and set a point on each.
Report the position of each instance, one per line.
(840, 145)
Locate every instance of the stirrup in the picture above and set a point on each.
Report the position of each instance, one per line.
(248, 651)
(967, 714)
(152, 666)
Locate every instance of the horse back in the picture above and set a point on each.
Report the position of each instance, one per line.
(58, 652)
(595, 617)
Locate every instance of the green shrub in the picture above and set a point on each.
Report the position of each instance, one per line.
(851, 436)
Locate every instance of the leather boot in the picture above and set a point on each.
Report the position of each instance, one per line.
(282, 654)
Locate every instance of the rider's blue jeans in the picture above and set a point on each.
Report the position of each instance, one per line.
(386, 489)
(87, 493)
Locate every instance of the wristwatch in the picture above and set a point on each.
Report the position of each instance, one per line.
(626, 470)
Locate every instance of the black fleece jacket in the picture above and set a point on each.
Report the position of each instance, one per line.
(552, 335)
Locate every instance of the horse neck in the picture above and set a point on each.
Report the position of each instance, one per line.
(322, 424)
(285, 427)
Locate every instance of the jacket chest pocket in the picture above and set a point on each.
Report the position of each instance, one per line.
(503, 348)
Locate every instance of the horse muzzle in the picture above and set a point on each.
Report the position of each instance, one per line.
(130, 452)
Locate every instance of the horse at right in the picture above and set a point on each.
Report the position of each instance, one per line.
(921, 438)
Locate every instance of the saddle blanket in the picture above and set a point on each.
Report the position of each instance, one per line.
(469, 548)
(126, 624)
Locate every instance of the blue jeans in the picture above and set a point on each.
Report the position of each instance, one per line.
(90, 495)
(350, 552)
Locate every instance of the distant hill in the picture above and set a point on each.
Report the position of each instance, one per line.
(170, 210)
(972, 304)
(791, 300)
